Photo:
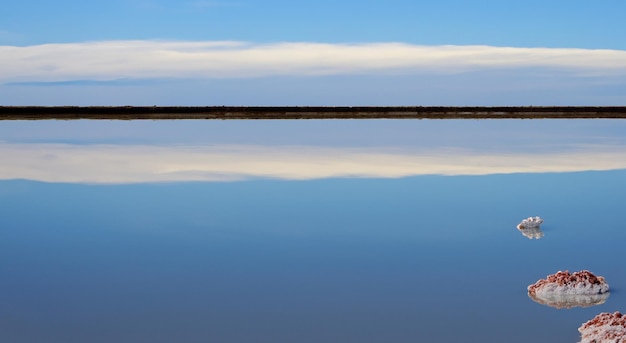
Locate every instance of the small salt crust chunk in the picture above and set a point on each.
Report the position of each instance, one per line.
(530, 222)
(566, 290)
(604, 328)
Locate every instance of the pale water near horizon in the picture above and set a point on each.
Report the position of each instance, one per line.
(281, 249)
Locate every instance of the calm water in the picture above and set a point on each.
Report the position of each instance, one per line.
(318, 231)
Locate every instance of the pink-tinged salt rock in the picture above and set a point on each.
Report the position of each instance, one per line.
(567, 290)
(604, 328)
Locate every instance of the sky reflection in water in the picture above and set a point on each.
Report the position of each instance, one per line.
(335, 231)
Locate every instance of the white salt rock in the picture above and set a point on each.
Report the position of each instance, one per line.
(530, 222)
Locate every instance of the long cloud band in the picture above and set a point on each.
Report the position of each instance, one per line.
(110, 60)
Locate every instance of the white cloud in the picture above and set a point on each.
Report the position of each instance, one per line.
(108, 60)
(137, 164)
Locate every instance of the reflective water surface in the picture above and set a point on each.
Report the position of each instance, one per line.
(305, 231)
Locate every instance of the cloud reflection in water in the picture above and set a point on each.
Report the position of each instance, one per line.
(149, 163)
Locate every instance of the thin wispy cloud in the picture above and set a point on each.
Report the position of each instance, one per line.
(207, 4)
(148, 5)
(109, 60)
(152, 5)
(139, 164)
(7, 37)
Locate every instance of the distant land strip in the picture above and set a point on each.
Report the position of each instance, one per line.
(304, 112)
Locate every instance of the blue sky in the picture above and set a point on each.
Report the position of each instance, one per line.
(158, 52)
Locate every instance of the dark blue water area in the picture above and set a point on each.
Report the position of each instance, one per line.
(419, 259)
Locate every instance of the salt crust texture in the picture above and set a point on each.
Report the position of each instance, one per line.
(565, 283)
(530, 222)
(604, 328)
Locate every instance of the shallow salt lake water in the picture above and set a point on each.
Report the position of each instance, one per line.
(304, 231)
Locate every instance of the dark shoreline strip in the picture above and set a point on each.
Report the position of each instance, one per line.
(304, 112)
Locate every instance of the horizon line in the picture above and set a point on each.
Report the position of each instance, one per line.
(308, 112)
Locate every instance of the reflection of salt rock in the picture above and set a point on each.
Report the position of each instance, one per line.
(529, 223)
(531, 232)
(567, 301)
(566, 284)
(604, 328)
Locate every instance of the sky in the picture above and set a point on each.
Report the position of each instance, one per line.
(328, 53)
